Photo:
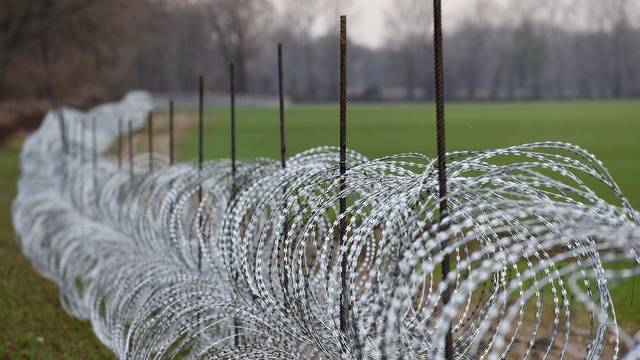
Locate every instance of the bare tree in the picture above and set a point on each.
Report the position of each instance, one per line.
(43, 33)
(28, 21)
(468, 48)
(96, 49)
(409, 24)
(616, 13)
(304, 17)
(14, 22)
(237, 27)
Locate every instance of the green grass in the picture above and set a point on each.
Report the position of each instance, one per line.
(34, 326)
(610, 130)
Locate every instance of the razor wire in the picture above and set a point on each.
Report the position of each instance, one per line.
(190, 263)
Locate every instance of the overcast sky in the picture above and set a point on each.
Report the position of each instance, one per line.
(368, 26)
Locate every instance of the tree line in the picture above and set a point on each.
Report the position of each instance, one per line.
(84, 51)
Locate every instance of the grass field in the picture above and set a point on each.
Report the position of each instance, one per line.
(34, 326)
(610, 130)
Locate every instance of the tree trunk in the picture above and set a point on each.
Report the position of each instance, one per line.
(242, 81)
(4, 63)
(496, 82)
(410, 76)
(311, 86)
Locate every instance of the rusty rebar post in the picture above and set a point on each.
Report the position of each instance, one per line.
(83, 138)
(283, 156)
(171, 134)
(441, 149)
(283, 144)
(150, 140)
(200, 157)
(131, 151)
(94, 153)
(200, 133)
(63, 131)
(344, 294)
(119, 143)
(232, 94)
